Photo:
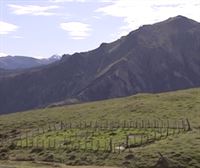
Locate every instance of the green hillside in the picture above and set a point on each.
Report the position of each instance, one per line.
(182, 149)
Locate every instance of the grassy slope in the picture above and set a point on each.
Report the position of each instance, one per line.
(13, 164)
(183, 149)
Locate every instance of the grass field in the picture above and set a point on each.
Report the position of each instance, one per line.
(182, 150)
(13, 164)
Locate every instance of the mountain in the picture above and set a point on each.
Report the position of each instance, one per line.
(154, 58)
(23, 62)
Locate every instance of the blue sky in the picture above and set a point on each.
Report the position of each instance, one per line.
(41, 28)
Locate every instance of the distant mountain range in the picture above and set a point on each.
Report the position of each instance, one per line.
(23, 62)
(154, 58)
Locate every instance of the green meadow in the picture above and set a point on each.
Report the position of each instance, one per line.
(179, 149)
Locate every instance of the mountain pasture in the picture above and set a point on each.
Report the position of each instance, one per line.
(53, 125)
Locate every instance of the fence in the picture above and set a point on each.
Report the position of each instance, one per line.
(110, 125)
(107, 136)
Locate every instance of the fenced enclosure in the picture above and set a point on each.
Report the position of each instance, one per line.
(108, 136)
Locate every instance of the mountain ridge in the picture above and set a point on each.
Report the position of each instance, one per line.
(24, 62)
(154, 58)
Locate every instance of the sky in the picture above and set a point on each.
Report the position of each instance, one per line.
(42, 28)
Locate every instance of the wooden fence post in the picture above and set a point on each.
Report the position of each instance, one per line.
(188, 123)
(21, 143)
(92, 144)
(142, 124)
(167, 132)
(85, 144)
(183, 125)
(43, 145)
(155, 134)
(110, 143)
(135, 140)
(54, 143)
(105, 146)
(136, 124)
(98, 145)
(37, 143)
(26, 139)
(167, 123)
(114, 147)
(127, 141)
(49, 143)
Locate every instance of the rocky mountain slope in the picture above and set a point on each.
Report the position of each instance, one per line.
(154, 58)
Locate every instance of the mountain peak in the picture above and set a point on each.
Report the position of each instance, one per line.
(178, 17)
(180, 20)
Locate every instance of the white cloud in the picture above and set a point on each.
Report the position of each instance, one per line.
(3, 54)
(6, 28)
(60, 1)
(136, 13)
(32, 10)
(76, 30)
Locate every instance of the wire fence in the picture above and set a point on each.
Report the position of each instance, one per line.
(107, 136)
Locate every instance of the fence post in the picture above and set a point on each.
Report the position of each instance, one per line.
(167, 132)
(37, 143)
(178, 127)
(110, 143)
(105, 146)
(147, 138)
(130, 124)
(79, 145)
(188, 123)
(114, 147)
(124, 124)
(183, 125)
(61, 125)
(167, 123)
(135, 140)
(54, 143)
(21, 141)
(98, 145)
(85, 144)
(142, 124)
(92, 145)
(127, 141)
(43, 146)
(32, 143)
(49, 127)
(26, 139)
(136, 124)
(49, 143)
(155, 134)
(174, 131)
